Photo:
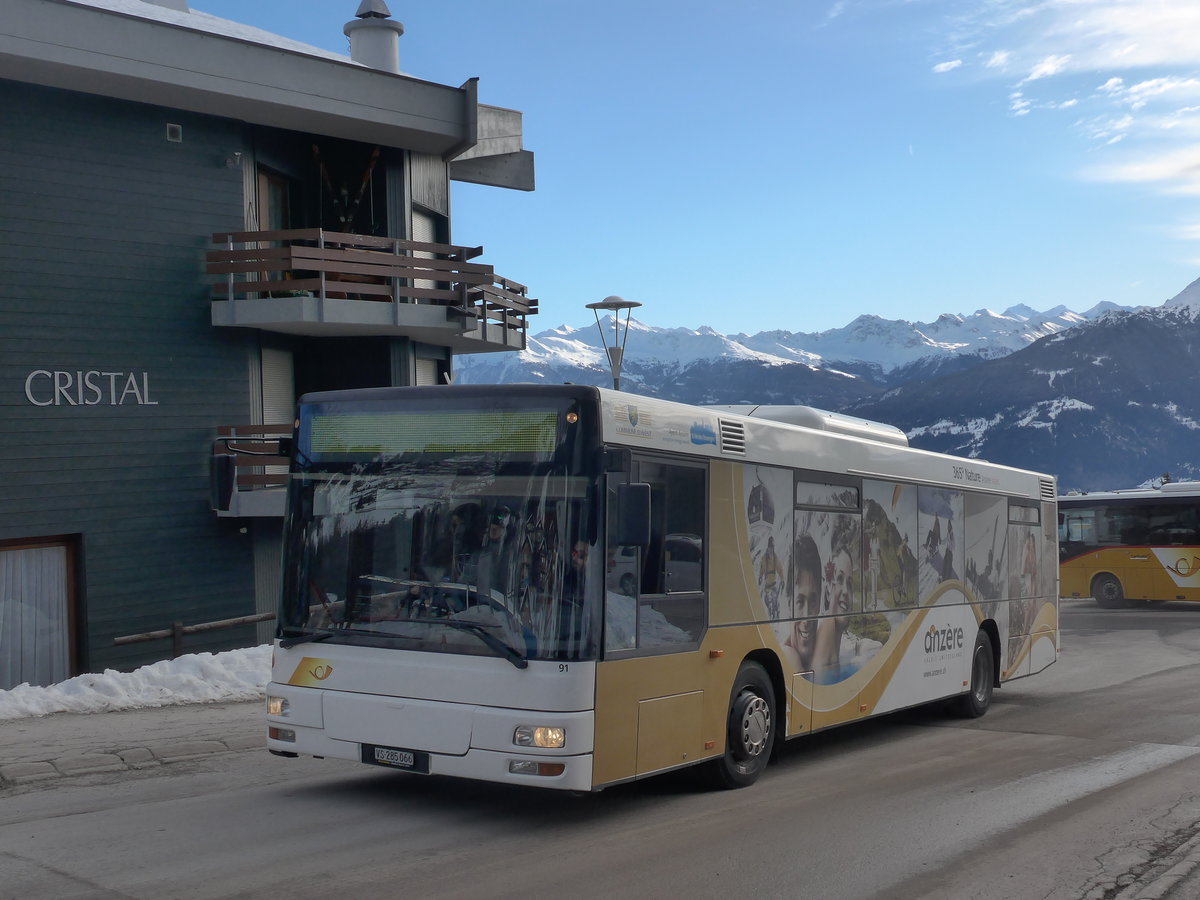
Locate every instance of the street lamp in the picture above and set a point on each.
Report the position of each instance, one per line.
(615, 351)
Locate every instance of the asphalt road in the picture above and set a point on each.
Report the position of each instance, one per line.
(1078, 781)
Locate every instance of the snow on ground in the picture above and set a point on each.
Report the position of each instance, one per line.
(196, 678)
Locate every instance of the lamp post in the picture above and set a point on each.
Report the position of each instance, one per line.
(615, 351)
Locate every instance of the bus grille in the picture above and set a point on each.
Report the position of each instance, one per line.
(1047, 485)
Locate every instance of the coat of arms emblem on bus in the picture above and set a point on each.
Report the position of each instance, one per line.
(632, 412)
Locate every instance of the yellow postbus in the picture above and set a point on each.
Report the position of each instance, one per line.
(571, 587)
(1135, 546)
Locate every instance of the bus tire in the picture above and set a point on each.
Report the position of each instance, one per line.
(750, 729)
(975, 702)
(1108, 591)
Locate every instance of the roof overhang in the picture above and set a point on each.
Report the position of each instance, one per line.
(79, 47)
(497, 157)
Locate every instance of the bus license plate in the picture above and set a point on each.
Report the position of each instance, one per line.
(396, 758)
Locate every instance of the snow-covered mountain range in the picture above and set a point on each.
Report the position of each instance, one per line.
(879, 349)
(1111, 403)
(1108, 398)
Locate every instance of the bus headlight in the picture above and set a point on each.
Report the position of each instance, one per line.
(277, 706)
(544, 736)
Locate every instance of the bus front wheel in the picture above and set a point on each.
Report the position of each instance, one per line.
(750, 733)
(975, 702)
(1108, 591)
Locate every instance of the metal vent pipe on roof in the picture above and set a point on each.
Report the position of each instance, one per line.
(375, 36)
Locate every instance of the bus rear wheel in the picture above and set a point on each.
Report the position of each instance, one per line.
(975, 702)
(750, 732)
(1108, 591)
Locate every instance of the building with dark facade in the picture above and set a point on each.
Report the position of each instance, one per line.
(200, 222)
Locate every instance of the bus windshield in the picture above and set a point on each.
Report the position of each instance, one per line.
(411, 530)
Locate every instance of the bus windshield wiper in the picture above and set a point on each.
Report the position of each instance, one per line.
(305, 638)
(348, 632)
(512, 654)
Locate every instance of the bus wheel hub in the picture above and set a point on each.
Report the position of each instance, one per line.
(754, 724)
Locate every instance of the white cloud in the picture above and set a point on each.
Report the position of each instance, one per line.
(1047, 67)
(1021, 105)
(834, 11)
(1184, 119)
(1188, 232)
(1176, 171)
(947, 66)
(1106, 129)
(1098, 35)
(1141, 113)
(1048, 38)
(1104, 35)
(1140, 94)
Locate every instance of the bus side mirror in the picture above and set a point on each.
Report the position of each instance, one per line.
(633, 515)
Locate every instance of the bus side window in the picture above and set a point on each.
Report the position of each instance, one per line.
(671, 607)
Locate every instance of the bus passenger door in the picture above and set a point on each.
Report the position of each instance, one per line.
(651, 701)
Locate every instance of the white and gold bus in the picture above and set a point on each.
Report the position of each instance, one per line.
(570, 587)
(1133, 546)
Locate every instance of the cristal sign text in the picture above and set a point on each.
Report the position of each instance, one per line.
(93, 388)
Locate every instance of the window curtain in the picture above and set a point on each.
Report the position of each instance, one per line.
(34, 624)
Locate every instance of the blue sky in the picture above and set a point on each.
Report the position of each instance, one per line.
(791, 165)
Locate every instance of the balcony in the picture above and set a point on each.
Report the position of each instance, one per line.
(320, 283)
(248, 470)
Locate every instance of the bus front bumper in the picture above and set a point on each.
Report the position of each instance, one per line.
(431, 738)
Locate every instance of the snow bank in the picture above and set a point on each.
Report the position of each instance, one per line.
(196, 678)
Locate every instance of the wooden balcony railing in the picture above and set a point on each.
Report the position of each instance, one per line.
(247, 458)
(331, 265)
